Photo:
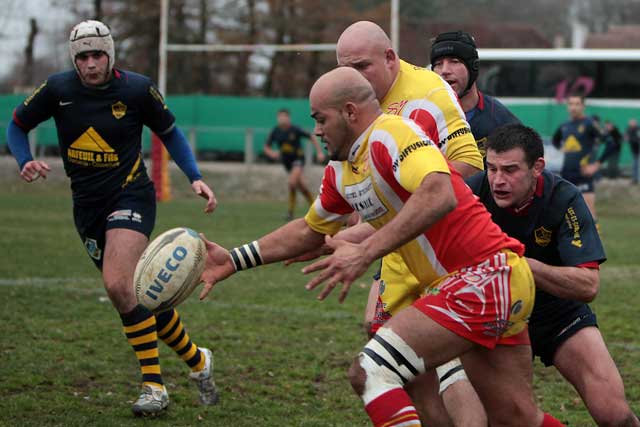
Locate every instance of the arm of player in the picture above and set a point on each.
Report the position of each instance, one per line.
(355, 234)
(181, 153)
(319, 153)
(465, 169)
(18, 143)
(431, 201)
(576, 283)
(288, 241)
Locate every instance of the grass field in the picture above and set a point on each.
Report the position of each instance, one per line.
(281, 356)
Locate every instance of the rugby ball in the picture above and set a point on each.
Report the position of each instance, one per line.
(169, 269)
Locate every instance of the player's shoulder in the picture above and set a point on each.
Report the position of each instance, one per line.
(424, 78)
(561, 192)
(501, 114)
(132, 79)
(61, 81)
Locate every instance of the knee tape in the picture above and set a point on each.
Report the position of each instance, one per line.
(449, 373)
(389, 363)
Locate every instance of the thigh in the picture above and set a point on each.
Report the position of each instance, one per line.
(502, 377)
(123, 249)
(90, 223)
(585, 362)
(295, 175)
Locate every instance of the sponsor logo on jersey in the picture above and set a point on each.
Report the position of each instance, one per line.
(154, 92)
(574, 225)
(408, 150)
(364, 200)
(542, 236)
(35, 92)
(481, 143)
(90, 149)
(396, 107)
(572, 145)
(92, 248)
(118, 110)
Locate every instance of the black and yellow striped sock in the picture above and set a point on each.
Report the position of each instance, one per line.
(292, 201)
(172, 332)
(140, 329)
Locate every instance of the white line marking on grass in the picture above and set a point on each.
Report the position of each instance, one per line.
(44, 281)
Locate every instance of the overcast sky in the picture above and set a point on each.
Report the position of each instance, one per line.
(53, 23)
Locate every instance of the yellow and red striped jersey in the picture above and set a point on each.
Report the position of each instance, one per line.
(423, 96)
(387, 163)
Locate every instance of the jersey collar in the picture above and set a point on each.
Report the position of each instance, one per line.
(357, 146)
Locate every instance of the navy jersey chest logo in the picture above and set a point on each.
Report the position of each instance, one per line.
(118, 110)
(542, 236)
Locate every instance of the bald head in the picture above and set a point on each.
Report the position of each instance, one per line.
(341, 85)
(365, 47)
(343, 104)
(362, 34)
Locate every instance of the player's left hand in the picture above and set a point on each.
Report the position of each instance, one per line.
(203, 190)
(348, 262)
(590, 169)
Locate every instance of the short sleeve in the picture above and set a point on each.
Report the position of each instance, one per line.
(156, 115)
(578, 238)
(303, 133)
(36, 108)
(405, 154)
(330, 211)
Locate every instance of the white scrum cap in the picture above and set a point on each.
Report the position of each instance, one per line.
(90, 36)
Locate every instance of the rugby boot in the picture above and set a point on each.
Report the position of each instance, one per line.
(152, 401)
(204, 380)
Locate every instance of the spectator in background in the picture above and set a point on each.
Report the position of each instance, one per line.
(632, 136)
(613, 141)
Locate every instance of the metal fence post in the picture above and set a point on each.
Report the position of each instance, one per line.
(193, 141)
(249, 155)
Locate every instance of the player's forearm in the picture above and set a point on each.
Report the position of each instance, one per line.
(18, 143)
(179, 149)
(292, 239)
(357, 233)
(426, 206)
(575, 283)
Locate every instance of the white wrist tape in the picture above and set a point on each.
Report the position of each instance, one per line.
(246, 256)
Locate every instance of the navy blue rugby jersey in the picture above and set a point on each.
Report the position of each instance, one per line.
(288, 140)
(99, 129)
(577, 139)
(556, 228)
(487, 115)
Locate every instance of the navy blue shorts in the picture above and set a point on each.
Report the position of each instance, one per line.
(289, 162)
(548, 332)
(584, 184)
(133, 208)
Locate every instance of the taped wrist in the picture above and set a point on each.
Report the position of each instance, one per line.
(246, 256)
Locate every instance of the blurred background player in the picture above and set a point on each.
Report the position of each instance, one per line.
(549, 215)
(613, 140)
(291, 153)
(632, 135)
(454, 56)
(578, 139)
(99, 113)
(421, 95)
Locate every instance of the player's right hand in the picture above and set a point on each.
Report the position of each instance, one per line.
(218, 266)
(34, 169)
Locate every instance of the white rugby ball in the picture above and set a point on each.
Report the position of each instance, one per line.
(169, 269)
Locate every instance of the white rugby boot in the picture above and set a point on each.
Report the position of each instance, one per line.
(204, 379)
(152, 401)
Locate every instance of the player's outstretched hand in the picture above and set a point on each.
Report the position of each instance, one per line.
(311, 255)
(218, 266)
(320, 157)
(34, 169)
(201, 189)
(348, 262)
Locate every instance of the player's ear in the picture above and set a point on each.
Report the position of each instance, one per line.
(390, 55)
(350, 111)
(538, 167)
